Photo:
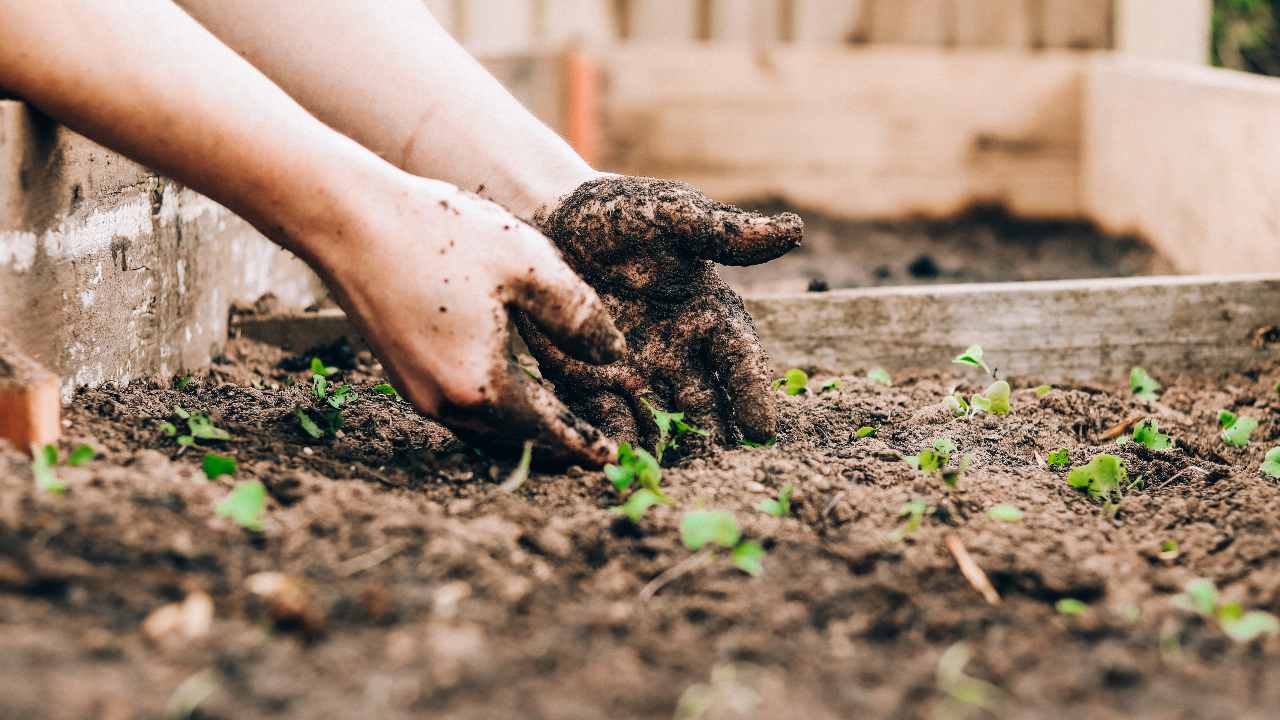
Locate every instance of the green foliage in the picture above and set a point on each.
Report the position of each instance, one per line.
(1071, 606)
(308, 425)
(956, 403)
(880, 375)
(80, 455)
(636, 468)
(1169, 550)
(43, 460)
(702, 528)
(1201, 596)
(793, 382)
(1226, 418)
(1271, 463)
(864, 431)
(973, 357)
(780, 507)
(1147, 433)
(637, 504)
(1059, 457)
(1143, 385)
(995, 400)
(914, 512)
(748, 556)
(1043, 390)
(671, 426)
(319, 368)
(1005, 513)
(217, 465)
(387, 389)
(1237, 430)
(1104, 477)
(199, 427)
(184, 382)
(245, 505)
(933, 461)
(744, 442)
(831, 385)
(1246, 35)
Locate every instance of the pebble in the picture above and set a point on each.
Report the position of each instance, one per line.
(308, 451)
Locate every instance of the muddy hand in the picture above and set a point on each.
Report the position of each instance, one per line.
(648, 246)
(431, 280)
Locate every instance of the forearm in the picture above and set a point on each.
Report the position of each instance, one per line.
(147, 80)
(388, 75)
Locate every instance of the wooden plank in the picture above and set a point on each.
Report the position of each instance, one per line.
(1171, 30)
(872, 133)
(1088, 330)
(661, 21)
(993, 23)
(570, 22)
(827, 22)
(30, 403)
(912, 22)
(1076, 24)
(1185, 156)
(745, 22)
(497, 27)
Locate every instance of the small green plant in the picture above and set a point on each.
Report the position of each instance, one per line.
(184, 382)
(1043, 390)
(972, 357)
(1271, 463)
(1169, 550)
(388, 390)
(1071, 606)
(80, 455)
(636, 468)
(914, 512)
(881, 376)
(319, 368)
(671, 426)
(864, 432)
(1236, 429)
(1005, 513)
(793, 382)
(781, 506)
(744, 442)
(933, 461)
(199, 427)
(1147, 433)
(956, 404)
(332, 398)
(1143, 385)
(1059, 458)
(1104, 478)
(215, 465)
(245, 505)
(637, 504)
(1201, 597)
(308, 425)
(43, 460)
(995, 400)
(702, 528)
(520, 474)
(830, 385)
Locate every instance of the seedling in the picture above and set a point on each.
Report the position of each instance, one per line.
(701, 528)
(521, 473)
(995, 400)
(780, 507)
(44, 461)
(335, 397)
(880, 375)
(1143, 385)
(1005, 513)
(956, 403)
(864, 431)
(793, 382)
(933, 462)
(831, 385)
(1043, 390)
(638, 504)
(1169, 550)
(671, 426)
(319, 368)
(1147, 433)
(199, 427)
(1104, 478)
(1059, 457)
(1271, 463)
(1201, 597)
(388, 390)
(636, 468)
(744, 442)
(1236, 429)
(308, 425)
(80, 455)
(217, 465)
(914, 512)
(973, 357)
(1071, 606)
(245, 505)
(184, 382)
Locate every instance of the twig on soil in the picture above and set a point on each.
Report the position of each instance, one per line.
(969, 568)
(675, 572)
(371, 559)
(1179, 474)
(831, 504)
(1121, 427)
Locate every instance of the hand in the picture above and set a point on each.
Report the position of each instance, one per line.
(647, 247)
(428, 273)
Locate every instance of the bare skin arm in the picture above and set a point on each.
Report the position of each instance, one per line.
(389, 76)
(426, 270)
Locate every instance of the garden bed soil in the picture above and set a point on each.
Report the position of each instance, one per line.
(983, 244)
(414, 586)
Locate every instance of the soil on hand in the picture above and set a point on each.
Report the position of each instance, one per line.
(409, 584)
(985, 244)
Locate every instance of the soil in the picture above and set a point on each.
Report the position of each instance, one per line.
(413, 585)
(984, 244)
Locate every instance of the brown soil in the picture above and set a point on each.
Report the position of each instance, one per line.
(985, 244)
(422, 588)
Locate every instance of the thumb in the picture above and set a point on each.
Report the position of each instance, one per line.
(568, 310)
(739, 237)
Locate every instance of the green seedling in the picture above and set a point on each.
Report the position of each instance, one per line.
(199, 427)
(744, 442)
(185, 382)
(1169, 550)
(1043, 390)
(636, 468)
(1147, 433)
(1071, 606)
(671, 426)
(1236, 429)
(637, 504)
(956, 404)
(308, 425)
(830, 385)
(781, 506)
(1201, 597)
(933, 462)
(963, 690)
(793, 382)
(995, 400)
(319, 368)
(914, 511)
(1271, 463)
(864, 432)
(245, 505)
(217, 465)
(43, 460)
(80, 455)
(880, 375)
(1059, 457)
(1104, 478)
(703, 528)
(1143, 385)
(388, 390)
(521, 473)
(973, 357)
(1005, 513)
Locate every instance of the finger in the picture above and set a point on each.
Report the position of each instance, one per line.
(737, 358)
(732, 236)
(564, 306)
(612, 414)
